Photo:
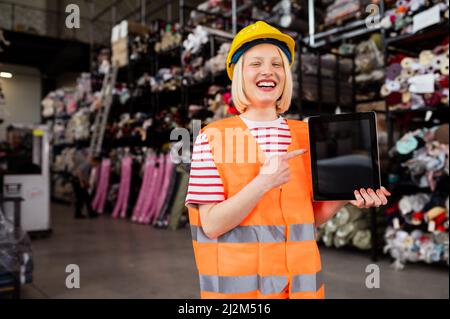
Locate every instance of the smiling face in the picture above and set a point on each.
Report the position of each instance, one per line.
(263, 74)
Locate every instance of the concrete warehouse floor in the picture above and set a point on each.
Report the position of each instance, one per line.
(119, 259)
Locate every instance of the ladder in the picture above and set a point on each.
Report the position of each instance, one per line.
(101, 119)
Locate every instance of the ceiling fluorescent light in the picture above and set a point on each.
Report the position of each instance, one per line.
(6, 75)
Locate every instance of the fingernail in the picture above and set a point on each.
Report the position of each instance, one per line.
(385, 189)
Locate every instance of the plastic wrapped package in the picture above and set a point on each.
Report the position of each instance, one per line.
(62, 187)
(416, 246)
(349, 227)
(15, 254)
(362, 239)
(341, 10)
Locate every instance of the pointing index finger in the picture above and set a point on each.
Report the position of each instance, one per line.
(294, 153)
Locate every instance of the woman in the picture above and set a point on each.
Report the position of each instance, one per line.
(250, 195)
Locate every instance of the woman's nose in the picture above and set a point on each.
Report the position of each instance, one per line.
(267, 69)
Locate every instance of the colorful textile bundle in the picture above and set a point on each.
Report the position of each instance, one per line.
(399, 20)
(413, 83)
(349, 227)
(419, 221)
(170, 38)
(341, 9)
(416, 246)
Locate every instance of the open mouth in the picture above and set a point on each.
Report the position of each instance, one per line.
(266, 85)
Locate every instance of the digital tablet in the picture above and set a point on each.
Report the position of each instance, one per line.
(344, 155)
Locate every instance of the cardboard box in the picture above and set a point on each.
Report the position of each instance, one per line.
(120, 59)
(128, 28)
(120, 52)
(119, 40)
(137, 28)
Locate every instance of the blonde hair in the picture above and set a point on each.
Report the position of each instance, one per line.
(240, 99)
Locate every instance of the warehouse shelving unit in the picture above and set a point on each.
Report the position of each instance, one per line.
(324, 42)
(407, 44)
(11, 281)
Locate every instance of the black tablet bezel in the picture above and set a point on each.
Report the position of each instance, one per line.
(371, 116)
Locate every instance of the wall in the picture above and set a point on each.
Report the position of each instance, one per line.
(22, 95)
(67, 80)
(25, 19)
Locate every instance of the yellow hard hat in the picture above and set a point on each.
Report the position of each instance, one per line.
(257, 33)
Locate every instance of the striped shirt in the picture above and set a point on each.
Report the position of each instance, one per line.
(205, 184)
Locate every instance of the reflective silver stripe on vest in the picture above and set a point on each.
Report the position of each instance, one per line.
(302, 232)
(241, 284)
(307, 282)
(198, 235)
(243, 234)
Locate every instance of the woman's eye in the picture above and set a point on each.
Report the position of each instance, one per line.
(255, 63)
(276, 64)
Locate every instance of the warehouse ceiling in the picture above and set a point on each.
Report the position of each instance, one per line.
(50, 55)
(109, 10)
(55, 49)
(39, 37)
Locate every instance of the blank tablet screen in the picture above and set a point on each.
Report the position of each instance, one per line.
(344, 155)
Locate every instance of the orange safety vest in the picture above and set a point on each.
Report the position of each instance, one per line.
(273, 252)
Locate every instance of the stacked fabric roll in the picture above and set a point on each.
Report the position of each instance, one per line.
(399, 20)
(62, 166)
(368, 60)
(140, 47)
(163, 188)
(413, 83)
(170, 38)
(416, 246)
(56, 103)
(65, 160)
(217, 63)
(218, 105)
(101, 194)
(341, 9)
(166, 79)
(424, 154)
(78, 126)
(195, 40)
(220, 102)
(67, 112)
(67, 101)
(310, 72)
(422, 211)
(349, 227)
(212, 6)
(196, 67)
(419, 221)
(121, 206)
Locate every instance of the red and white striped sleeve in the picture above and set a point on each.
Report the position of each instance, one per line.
(205, 185)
